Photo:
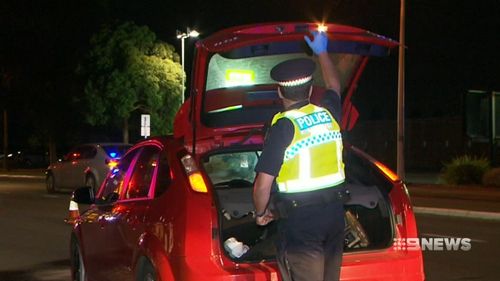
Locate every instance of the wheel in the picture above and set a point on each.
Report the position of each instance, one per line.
(50, 183)
(147, 272)
(77, 268)
(90, 181)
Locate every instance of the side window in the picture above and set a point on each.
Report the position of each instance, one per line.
(88, 152)
(163, 178)
(114, 183)
(142, 175)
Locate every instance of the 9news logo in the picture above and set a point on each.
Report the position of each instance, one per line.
(433, 244)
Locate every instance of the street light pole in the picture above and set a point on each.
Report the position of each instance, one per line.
(5, 138)
(183, 71)
(183, 36)
(401, 95)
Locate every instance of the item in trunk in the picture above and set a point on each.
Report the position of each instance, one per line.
(235, 248)
(355, 235)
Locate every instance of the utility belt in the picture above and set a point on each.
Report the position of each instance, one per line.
(285, 203)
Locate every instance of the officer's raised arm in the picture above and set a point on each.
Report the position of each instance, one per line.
(319, 46)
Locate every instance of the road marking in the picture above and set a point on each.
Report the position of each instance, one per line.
(454, 237)
(457, 213)
(21, 176)
(52, 274)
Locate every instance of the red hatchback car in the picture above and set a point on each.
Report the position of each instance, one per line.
(180, 207)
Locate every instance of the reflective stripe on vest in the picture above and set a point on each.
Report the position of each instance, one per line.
(313, 160)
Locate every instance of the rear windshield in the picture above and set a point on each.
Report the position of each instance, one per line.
(116, 151)
(239, 89)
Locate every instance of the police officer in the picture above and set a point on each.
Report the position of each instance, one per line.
(303, 153)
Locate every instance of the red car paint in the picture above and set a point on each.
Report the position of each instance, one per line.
(178, 232)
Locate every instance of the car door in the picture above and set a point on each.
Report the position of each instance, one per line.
(80, 164)
(64, 171)
(129, 215)
(97, 239)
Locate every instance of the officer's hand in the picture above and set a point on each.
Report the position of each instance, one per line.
(265, 219)
(319, 43)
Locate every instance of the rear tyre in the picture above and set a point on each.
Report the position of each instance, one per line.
(77, 268)
(91, 181)
(147, 272)
(50, 183)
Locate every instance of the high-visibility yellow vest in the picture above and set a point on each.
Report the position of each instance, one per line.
(313, 160)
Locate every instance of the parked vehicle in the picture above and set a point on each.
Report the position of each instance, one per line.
(84, 165)
(22, 159)
(174, 205)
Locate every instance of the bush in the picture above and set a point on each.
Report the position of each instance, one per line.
(492, 177)
(465, 170)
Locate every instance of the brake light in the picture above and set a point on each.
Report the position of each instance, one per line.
(195, 178)
(240, 77)
(388, 172)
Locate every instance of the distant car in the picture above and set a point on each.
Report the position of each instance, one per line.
(84, 165)
(25, 160)
(174, 206)
(29, 159)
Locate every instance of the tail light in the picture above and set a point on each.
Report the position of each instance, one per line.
(194, 175)
(388, 172)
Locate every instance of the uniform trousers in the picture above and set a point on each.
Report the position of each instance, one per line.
(311, 242)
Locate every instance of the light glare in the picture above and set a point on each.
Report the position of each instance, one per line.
(322, 28)
(194, 33)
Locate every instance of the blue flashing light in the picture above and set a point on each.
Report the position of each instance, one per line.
(113, 154)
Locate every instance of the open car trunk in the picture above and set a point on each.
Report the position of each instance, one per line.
(231, 87)
(368, 214)
(232, 93)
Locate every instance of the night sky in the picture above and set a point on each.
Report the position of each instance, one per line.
(452, 46)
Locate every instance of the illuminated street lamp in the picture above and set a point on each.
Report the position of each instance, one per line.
(182, 36)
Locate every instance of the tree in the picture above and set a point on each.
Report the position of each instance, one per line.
(129, 71)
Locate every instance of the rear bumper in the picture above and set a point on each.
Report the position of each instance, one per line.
(387, 265)
(211, 270)
(381, 265)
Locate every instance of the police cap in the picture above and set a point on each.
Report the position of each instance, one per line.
(294, 72)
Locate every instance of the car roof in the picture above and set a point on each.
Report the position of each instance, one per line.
(104, 144)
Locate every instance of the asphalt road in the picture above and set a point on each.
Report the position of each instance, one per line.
(34, 240)
(481, 262)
